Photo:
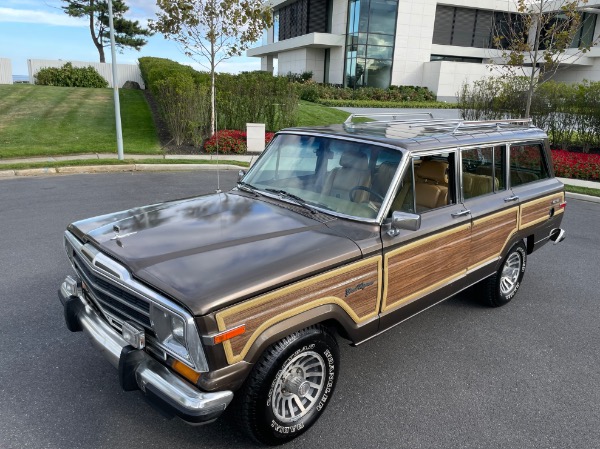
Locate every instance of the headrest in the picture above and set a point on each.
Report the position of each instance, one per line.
(434, 171)
(354, 159)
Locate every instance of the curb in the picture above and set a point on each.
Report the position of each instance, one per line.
(32, 172)
(582, 197)
(133, 157)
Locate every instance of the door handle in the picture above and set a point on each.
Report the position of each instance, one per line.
(461, 213)
(511, 198)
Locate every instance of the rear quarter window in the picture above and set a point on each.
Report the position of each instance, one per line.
(527, 164)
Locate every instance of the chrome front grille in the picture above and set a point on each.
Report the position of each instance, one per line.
(116, 303)
(110, 288)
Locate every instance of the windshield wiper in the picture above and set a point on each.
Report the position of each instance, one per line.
(296, 199)
(247, 187)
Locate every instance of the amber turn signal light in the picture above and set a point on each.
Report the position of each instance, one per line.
(229, 334)
(185, 371)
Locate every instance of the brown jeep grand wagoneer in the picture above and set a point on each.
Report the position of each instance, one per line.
(335, 233)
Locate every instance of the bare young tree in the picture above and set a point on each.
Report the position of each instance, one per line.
(541, 36)
(211, 31)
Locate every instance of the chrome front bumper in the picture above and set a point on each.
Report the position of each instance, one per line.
(137, 369)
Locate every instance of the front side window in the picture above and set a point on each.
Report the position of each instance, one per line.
(427, 184)
(350, 178)
(527, 164)
(482, 171)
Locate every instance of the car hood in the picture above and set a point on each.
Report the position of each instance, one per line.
(210, 252)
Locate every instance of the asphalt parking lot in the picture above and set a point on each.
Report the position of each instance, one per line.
(457, 376)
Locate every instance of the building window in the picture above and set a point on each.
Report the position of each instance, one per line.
(456, 59)
(468, 27)
(585, 35)
(370, 42)
(276, 26)
(302, 17)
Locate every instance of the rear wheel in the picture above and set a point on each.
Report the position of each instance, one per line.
(290, 386)
(501, 288)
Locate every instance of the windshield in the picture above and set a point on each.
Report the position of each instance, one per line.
(351, 178)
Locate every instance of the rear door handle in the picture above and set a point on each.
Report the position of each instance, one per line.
(511, 198)
(461, 213)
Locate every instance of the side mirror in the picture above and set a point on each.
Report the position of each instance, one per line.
(404, 220)
(241, 174)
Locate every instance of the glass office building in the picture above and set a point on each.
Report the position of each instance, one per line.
(378, 43)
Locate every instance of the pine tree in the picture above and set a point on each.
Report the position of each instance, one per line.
(128, 33)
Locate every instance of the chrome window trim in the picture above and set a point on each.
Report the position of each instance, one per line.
(122, 277)
(395, 184)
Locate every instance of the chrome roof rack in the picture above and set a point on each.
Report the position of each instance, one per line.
(351, 117)
(407, 121)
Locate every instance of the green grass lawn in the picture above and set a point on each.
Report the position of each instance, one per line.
(51, 121)
(583, 190)
(312, 114)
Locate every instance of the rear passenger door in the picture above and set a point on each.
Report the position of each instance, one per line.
(494, 213)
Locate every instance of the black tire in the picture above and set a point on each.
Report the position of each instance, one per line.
(501, 288)
(280, 371)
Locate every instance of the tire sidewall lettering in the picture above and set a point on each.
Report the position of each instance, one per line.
(323, 350)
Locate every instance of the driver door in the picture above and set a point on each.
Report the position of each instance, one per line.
(421, 266)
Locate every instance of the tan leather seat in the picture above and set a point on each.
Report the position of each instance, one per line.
(476, 185)
(428, 197)
(353, 171)
(431, 188)
(518, 177)
(382, 179)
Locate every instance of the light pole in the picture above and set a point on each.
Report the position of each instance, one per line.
(115, 82)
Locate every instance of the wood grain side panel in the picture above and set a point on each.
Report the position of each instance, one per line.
(490, 234)
(420, 267)
(356, 288)
(538, 210)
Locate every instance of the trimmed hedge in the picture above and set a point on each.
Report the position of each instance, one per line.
(315, 92)
(69, 76)
(385, 104)
(569, 113)
(249, 97)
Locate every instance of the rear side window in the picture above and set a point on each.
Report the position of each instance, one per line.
(482, 171)
(527, 164)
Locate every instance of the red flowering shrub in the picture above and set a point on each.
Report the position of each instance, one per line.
(230, 142)
(576, 165)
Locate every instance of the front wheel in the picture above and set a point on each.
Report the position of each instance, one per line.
(501, 288)
(290, 386)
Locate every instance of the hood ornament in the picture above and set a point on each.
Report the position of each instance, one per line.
(118, 236)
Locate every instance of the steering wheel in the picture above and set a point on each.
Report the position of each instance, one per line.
(366, 189)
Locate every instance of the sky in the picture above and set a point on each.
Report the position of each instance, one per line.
(39, 29)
